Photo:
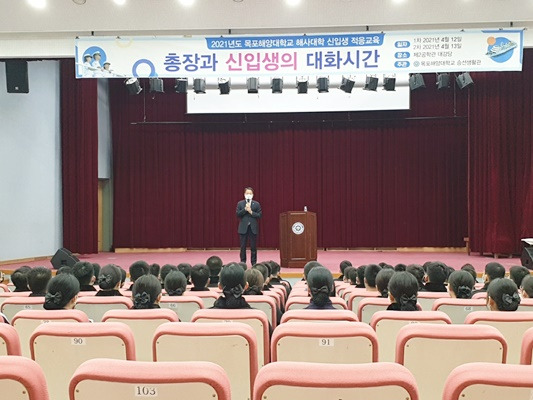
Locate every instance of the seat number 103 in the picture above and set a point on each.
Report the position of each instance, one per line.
(145, 391)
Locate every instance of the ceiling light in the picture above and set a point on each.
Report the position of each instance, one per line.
(253, 85)
(224, 85)
(198, 85)
(156, 85)
(464, 80)
(79, 2)
(40, 4)
(120, 2)
(133, 86)
(181, 85)
(277, 85)
(371, 83)
(322, 84)
(293, 3)
(416, 81)
(443, 81)
(187, 3)
(389, 83)
(302, 83)
(347, 84)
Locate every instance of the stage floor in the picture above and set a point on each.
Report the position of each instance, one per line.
(330, 259)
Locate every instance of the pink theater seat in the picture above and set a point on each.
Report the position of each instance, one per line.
(512, 325)
(4, 288)
(426, 299)
(526, 305)
(458, 309)
(368, 306)
(432, 351)
(68, 345)
(13, 305)
(266, 304)
(318, 316)
(297, 380)
(526, 355)
(130, 380)
(9, 341)
(183, 306)
(339, 343)
(96, 306)
(208, 297)
(254, 318)
(489, 381)
(233, 346)
(479, 295)
(298, 303)
(21, 379)
(355, 296)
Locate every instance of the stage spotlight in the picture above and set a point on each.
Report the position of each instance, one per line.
(133, 86)
(464, 80)
(322, 84)
(253, 85)
(347, 84)
(181, 85)
(198, 85)
(302, 83)
(224, 85)
(156, 85)
(443, 81)
(277, 85)
(371, 83)
(416, 81)
(389, 83)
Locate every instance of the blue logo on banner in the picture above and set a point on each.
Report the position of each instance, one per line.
(153, 74)
(500, 49)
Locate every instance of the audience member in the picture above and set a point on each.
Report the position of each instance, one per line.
(255, 282)
(436, 276)
(19, 278)
(200, 278)
(471, 270)
(350, 276)
(243, 265)
(65, 269)
(493, 270)
(185, 269)
(233, 285)
(418, 273)
(403, 290)
(502, 295)
(342, 266)
(400, 268)
(38, 279)
(461, 285)
(109, 281)
(84, 273)
(214, 263)
(371, 271)
(165, 270)
(309, 266)
(62, 292)
(526, 287)
(155, 270)
(384, 265)
(382, 281)
(517, 273)
(146, 292)
(138, 269)
(320, 285)
(275, 277)
(360, 277)
(96, 271)
(122, 277)
(175, 283)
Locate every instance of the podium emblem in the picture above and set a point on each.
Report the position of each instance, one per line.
(298, 228)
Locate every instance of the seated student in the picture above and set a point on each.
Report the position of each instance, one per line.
(308, 267)
(200, 278)
(493, 270)
(382, 281)
(502, 295)
(384, 265)
(320, 284)
(155, 270)
(138, 269)
(403, 290)
(64, 270)
(361, 277)
(461, 285)
(62, 293)
(233, 285)
(449, 270)
(471, 270)
(254, 281)
(400, 268)
(122, 277)
(517, 273)
(84, 273)
(371, 271)
(436, 276)
(264, 270)
(185, 269)
(418, 273)
(19, 278)
(526, 288)
(146, 292)
(38, 279)
(214, 263)
(96, 271)
(275, 277)
(175, 283)
(350, 276)
(165, 270)
(342, 266)
(109, 281)
(243, 265)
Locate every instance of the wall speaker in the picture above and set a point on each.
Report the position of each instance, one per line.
(17, 76)
(63, 258)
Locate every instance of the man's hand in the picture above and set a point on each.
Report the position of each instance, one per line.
(248, 208)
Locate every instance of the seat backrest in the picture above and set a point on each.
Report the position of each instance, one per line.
(432, 351)
(208, 297)
(13, 305)
(388, 323)
(266, 304)
(9, 341)
(426, 299)
(9, 295)
(254, 318)
(526, 305)
(356, 296)
(26, 321)
(369, 306)
(311, 381)
(458, 309)
(277, 296)
(479, 295)
(21, 379)
(336, 342)
(183, 306)
(298, 303)
(130, 380)
(61, 347)
(4, 288)
(526, 353)
(233, 346)
(96, 306)
(512, 325)
(318, 316)
(489, 381)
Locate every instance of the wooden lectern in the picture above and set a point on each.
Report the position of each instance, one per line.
(297, 234)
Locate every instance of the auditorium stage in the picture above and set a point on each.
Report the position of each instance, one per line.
(329, 258)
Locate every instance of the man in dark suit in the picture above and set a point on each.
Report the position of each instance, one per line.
(248, 211)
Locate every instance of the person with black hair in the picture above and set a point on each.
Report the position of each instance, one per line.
(517, 273)
(361, 277)
(155, 270)
(276, 279)
(493, 270)
(19, 278)
(342, 266)
(65, 269)
(233, 285)
(165, 270)
(309, 266)
(84, 273)
(138, 269)
(471, 270)
(38, 279)
(371, 271)
(461, 285)
(382, 281)
(449, 271)
(185, 269)
(122, 277)
(62, 292)
(384, 265)
(350, 276)
(146, 292)
(400, 268)
(214, 263)
(249, 212)
(526, 287)
(255, 282)
(403, 291)
(96, 271)
(418, 273)
(436, 275)
(199, 278)
(109, 281)
(243, 265)
(320, 284)
(175, 283)
(264, 270)
(502, 295)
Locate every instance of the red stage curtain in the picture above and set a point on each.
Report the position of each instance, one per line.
(79, 152)
(374, 179)
(501, 171)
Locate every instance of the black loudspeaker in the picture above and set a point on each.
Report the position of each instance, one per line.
(527, 257)
(63, 258)
(17, 76)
